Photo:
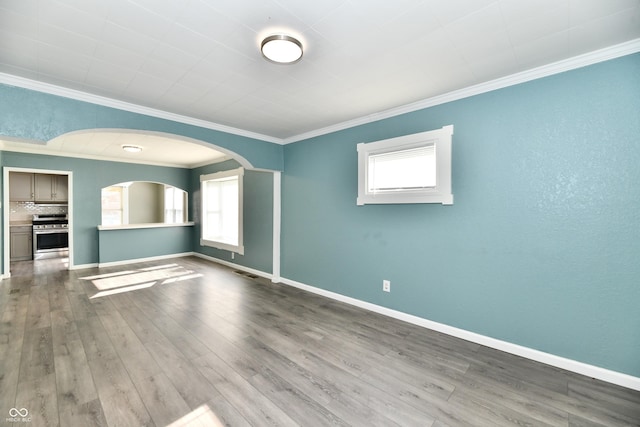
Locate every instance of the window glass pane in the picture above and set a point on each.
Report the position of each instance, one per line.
(111, 217)
(112, 198)
(173, 205)
(112, 206)
(169, 217)
(221, 215)
(402, 170)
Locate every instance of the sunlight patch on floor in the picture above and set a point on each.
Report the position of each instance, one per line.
(201, 416)
(122, 290)
(181, 278)
(139, 276)
(159, 267)
(132, 280)
(105, 275)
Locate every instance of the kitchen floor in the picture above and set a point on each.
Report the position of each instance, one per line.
(187, 342)
(45, 263)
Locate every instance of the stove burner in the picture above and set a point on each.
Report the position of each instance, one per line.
(49, 221)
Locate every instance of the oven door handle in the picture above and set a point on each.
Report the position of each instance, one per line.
(51, 231)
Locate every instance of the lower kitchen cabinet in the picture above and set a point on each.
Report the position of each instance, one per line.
(21, 244)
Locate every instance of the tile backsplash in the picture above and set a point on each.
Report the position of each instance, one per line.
(24, 211)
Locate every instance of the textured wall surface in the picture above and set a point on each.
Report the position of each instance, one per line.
(41, 117)
(119, 245)
(542, 245)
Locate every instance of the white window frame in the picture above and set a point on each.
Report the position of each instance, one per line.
(239, 248)
(124, 204)
(172, 215)
(441, 193)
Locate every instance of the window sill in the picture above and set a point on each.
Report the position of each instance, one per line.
(405, 198)
(135, 226)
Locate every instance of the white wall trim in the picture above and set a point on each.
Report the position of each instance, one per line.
(234, 266)
(30, 84)
(84, 266)
(147, 259)
(592, 371)
(612, 52)
(277, 216)
(607, 375)
(6, 248)
(148, 225)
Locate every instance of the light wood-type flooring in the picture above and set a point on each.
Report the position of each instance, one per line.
(186, 342)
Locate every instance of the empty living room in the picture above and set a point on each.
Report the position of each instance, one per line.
(348, 212)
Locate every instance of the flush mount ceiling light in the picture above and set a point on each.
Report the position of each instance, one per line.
(132, 148)
(281, 49)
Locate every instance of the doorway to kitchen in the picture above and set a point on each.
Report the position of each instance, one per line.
(37, 220)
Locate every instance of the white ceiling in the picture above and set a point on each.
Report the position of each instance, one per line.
(201, 59)
(106, 144)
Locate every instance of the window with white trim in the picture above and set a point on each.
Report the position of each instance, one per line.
(115, 204)
(174, 205)
(408, 169)
(222, 210)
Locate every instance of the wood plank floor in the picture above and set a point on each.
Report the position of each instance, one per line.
(187, 342)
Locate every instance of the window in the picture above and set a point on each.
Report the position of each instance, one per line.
(222, 210)
(174, 205)
(114, 205)
(408, 169)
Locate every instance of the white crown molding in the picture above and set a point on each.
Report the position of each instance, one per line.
(612, 52)
(35, 85)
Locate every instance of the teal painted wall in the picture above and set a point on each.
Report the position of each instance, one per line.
(542, 245)
(258, 218)
(38, 116)
(89, 177)
(92, 246)
(118, 245)
(539, 249)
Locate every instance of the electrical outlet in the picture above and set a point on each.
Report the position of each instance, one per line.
(386, 285)
(233, 255)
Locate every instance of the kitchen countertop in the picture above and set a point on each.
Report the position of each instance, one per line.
(20, 223)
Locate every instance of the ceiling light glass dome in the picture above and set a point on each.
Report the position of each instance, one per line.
(281, 49)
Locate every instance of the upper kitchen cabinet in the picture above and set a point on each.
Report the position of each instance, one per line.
(51, 188)
(21, 187)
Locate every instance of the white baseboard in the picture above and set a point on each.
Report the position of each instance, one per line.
(83, 266)
(153, 258)
(592, 371)
(234, 266)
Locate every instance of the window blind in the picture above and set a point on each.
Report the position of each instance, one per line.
(409, 169)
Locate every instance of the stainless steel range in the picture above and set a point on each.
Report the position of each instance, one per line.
(50, 234)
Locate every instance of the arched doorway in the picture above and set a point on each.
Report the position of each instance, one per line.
(106, 145)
